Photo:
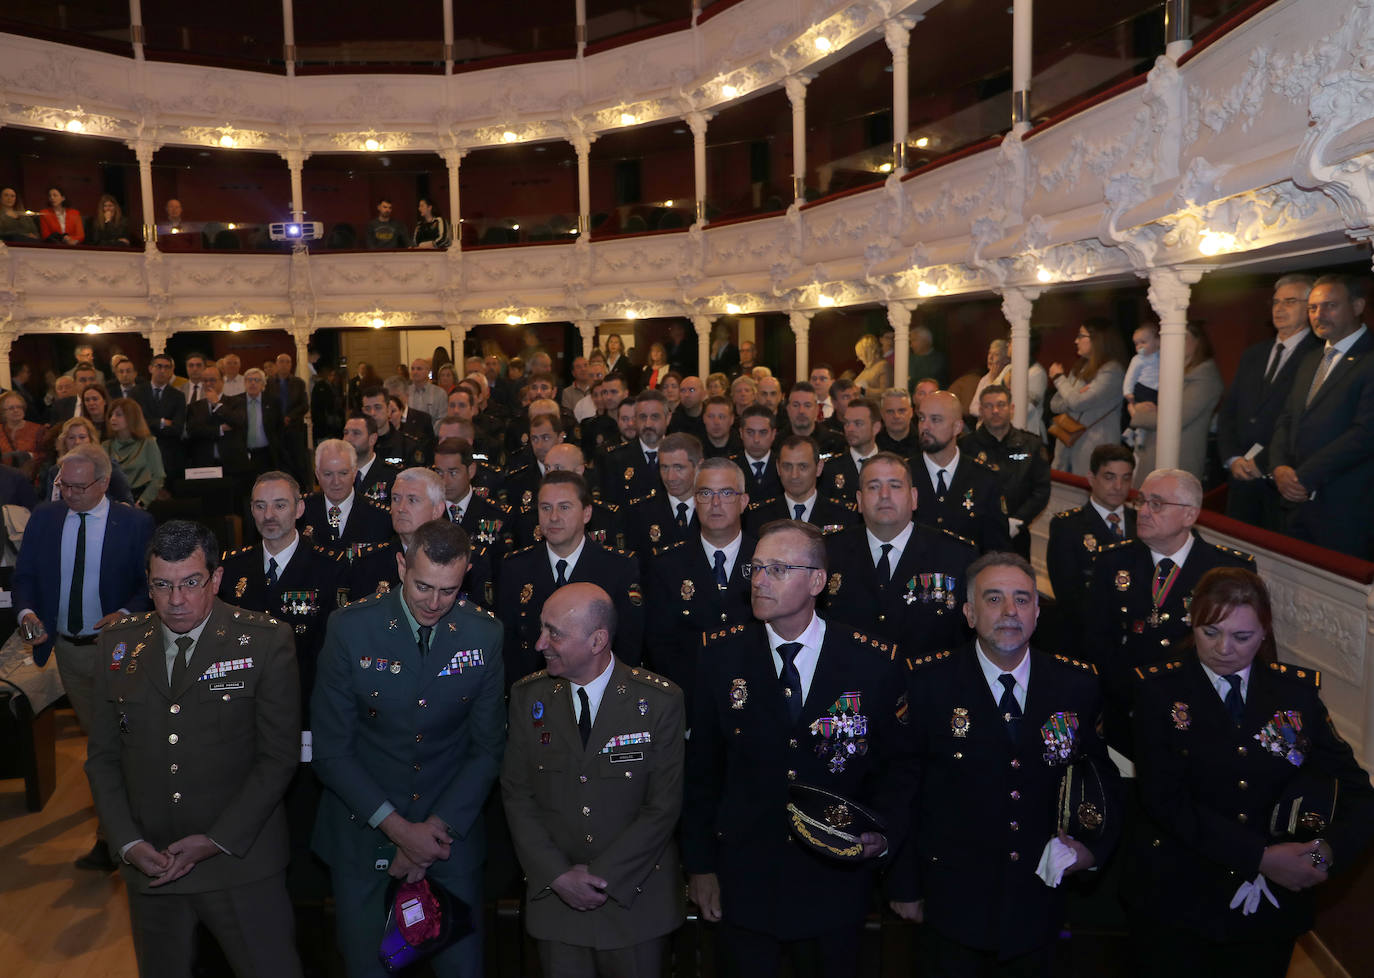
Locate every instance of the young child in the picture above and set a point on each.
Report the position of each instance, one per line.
(1141, 385)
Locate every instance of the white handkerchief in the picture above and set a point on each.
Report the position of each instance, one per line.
(1056, 858)
(1248, 895)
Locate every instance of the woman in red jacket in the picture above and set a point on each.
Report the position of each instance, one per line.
(58, 222)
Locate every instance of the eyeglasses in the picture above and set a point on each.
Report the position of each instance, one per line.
(777, 572)
(74, 486)
(724, 495)
(1156, 504)
(167, 588)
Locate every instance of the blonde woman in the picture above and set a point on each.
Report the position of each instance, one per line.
(80, 431)
(132, 448)
(877, 372)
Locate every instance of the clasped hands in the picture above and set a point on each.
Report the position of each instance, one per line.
(172, 863)
(418, 845)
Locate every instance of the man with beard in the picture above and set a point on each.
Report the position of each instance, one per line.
(861, 422)
(956, 493)
(631, 471)
(1016, 457)
(374, 477)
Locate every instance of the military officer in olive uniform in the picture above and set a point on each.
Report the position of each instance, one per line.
(955, 492)
(1137, 607)
(529, 576)
(592, 786)
(194, 739)
(409, 721)
(791, 699)
(1016, 457)
(801, 499)
(900, 579)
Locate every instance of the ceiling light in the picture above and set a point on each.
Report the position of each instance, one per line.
(1215, 242)
(378, 322)
(823, 44)
(668, 202)
(232, 226)
(729, 91)
(372, 145)
(75, 125)
(515, 227)
(825, 300)
(631, 314)
(509, 136)
(236, 327)
(926, 290)
(923, 142)
(626, 119)
(732, 308)
(513, 320)
(91, 328)
(227, 141)
(885, 168)
(1042, 274)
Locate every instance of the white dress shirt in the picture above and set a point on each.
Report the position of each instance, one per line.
(992, 672)
(731, 551)
(595, 690)
(811, 639)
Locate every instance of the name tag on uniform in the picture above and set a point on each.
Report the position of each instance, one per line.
(218, 686)
(628, 756)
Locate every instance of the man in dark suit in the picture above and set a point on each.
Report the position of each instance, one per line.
(293, 402)
(631, 470)
(80, 568)
(209, 693)
(668, 514)
(800, 499)
(600, 430)
(954, 491)
(67, 405)
(698, 584)
(758, 430)
(414, 673)
(681, 349)
(1251, 407)
(374, 477)
(338, 517)
(488, 524)
(804, 418)
(394, 447)
(899, 577)
(1137, 606)
(995, 725)
(125, 383)
(529, 576)
(262, 424)
(861, 423)
(216, 427)
(164, 408)
(793, 698)
(1016, 457)
(1322, 452)
(718, 437)
(899, 434)
(1077, 536)
(603, 887)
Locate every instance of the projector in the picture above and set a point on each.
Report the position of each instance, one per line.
(296, 231)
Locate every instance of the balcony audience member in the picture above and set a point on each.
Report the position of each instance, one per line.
(133, 449)
(1141, 385)
(20, 377)
(95, 405)
(384, 231)
(1251, 408)
(109, 227)
(724, 353)
(1202, 387)
(289, 392)
(718, 384)
(1323, 446)
(654, 372)
(999, 359)
(231, 369)
(616, 361)
(926, 361)
(422, 395)
(85, 357)
(15, 223)
(876, 375)
(681, 349)
(74, 432)
(1037, 383)
(432, 231)
(175, 224)
(58, 223)
(1089, 394)
(446, 378)
(21, 441)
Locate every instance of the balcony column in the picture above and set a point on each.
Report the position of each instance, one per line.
(7, 337)
(899, 318)
(1021, 24)
(295, 162)
(144, 150)
(795, 86)
(458, 336)
(897, 33)
(586, 328)
(288, 36)
(301, 334)
(696, 121)
(452, 159)
(135, 37)
(1016, 307)
(582, 144)
(1177, 18)
(448, 39)
(801, 329)
(703, 324)
(1170, 289)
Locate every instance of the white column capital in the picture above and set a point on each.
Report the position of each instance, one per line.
(1016, 306)
(453, 157)
(1170, 291)
(696, 121)
(897, 34)
(586, 328)
(582, 143)
(795, 86)
(295, 158)
(143, 150)
(800, 321)
(899, 316)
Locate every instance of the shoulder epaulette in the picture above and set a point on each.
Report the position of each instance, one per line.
(244, 616)
(609, 507)
(852, 507)
(1068, 512)
(708, 637)
(234, 553)
(469, 605)
(133, 619)
(761, 503)
(672, 546)
(962, 539)
(532, 677)
(517, 553)
(1078, 663)
(648, 678)
(887, 648)
(1311, 677)
(925, 660)
(1115, 546)
(1156, 669)
(639, 499)
(511, 473)
(334, 555)
(368, 500)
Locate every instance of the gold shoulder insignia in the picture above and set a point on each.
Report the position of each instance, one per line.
(532, 677)
(1156, 669)
(1068, 512)
(1115, 546)
(926, 660)
(611, 507)
(962, 539)
(524, 550)
(1312, 677)
(1077, 663)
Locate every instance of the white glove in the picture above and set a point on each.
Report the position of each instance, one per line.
(1248, 896)
(1056, 858)
(1014, 526)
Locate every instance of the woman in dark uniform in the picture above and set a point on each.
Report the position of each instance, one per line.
(1224, 862)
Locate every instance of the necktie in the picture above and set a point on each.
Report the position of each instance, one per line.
(282, 391)
(157, 395)
(1159, 587)
(758, 470)
(885, 565)
(422, 643)
(255, 428)
(272, 572)
(1011, 710)
(1115, 520)
(721, 579)
(584, 718)
(334, 519)
(75, 595)
(560, 569)
(1234, 704)
(791, 678)
(652, 457)
(800, 510)
(681, 514)
(179, 664)
(1274, 359)
(455, 513)
(1323, 369)
(195, 393)
(940, 486)
(357, 482)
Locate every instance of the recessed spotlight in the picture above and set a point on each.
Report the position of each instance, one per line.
(823, 44)
(371, 145)
(513, 320)
(926, 290)
(1042, 274)
(91, 328)
(232, 226)
(729, 91)
(509, 136)
(515, 227)
(236, 327)
(631, 313)
(668, 202)
(627, 119)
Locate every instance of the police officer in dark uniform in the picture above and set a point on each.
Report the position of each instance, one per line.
(529, 576)
(630, 471)
(717, 430)
(798, 468)
(861, 422)
(1016, 457)
(607, 526)
(1078, 534)
(898, 577)
(339, 517)
(899, 434)
(793, 699)
(692, 590)
(955, 492)
(395, 448)
(488, 525)
(996, 725)
(668, 514)
(374, 476)
(1137, 607)
(804, 418)
(601, 431)
(758, 431)
(526, 467)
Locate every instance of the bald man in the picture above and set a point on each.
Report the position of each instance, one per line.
(953, 491)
